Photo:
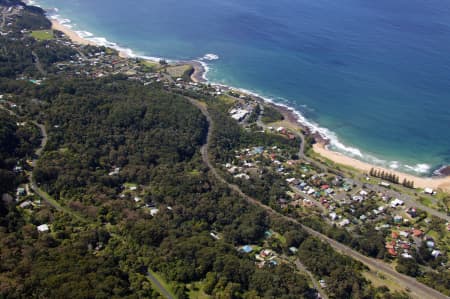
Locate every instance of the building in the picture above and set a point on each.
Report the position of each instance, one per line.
(344, 222)
(43, 228)
(333, 216)
(429, 191)
(398, 219)
(247, 249)
(396, 202)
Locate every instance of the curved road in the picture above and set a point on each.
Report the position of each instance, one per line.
(315, 283)
(160, 288)
(418, 290)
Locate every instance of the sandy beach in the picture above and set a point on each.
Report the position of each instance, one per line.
(320, 147)
(74, 37)
(291, 121)
(420, 182)
(199, 70)
(70, 33)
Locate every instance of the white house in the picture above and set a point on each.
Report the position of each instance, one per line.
(428, 191)
(333, 216)
(43, 228)
(435, 253)
(396, 202)
(344, 222)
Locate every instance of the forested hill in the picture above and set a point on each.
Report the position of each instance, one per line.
(116, 151)
(120, 125)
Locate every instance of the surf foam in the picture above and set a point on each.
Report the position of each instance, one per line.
(334, 143)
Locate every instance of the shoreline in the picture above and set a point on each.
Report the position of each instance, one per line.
(198, 75)
(71, 34)
(320, 147)
(76, 38)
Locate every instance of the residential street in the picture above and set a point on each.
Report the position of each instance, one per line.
(418, 290)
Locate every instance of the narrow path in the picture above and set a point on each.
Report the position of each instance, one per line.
(3, 19)
(44, 140)
(316, 284)
(160, 288)
(41, 193)
(418, 290)
(38, 64)
(47, 198)
(51, 201)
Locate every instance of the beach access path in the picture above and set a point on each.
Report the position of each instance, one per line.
(409, 202)
(417, 289)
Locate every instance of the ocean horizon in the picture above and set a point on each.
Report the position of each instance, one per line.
(373, 78)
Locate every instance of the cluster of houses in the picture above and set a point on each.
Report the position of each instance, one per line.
(341, 201)
(134, 192)
(263, 256)
(248, 161)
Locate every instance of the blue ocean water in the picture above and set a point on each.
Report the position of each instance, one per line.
(374, 76)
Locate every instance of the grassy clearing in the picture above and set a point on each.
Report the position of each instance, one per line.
(196, 291)
(378, 281)
(227, 99)
(426, 201)
(150, 65)
(43, 34)
(178, 71)
(165, 285)
(194, 172)
(129, 185)
(279, 237)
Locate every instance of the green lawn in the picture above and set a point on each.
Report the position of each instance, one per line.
(279, 237)
(150, 65)
(378, 281)
(196, 291)
(194, 172)
(129, 185)
(179, 70)
(42, 34)
(426, 201)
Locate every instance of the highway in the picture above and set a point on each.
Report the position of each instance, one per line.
(417, 289)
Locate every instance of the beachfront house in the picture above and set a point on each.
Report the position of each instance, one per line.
(429, 191)
(396, 202)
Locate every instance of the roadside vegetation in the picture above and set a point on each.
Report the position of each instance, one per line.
(127, 196)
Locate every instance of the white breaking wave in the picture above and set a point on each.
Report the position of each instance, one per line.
(394, 165)
(206, 69)
(333, 140)
(84, 34)
(101, 41)
(419, 168)
(210, 56)
(336, 145)
(31, 2)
